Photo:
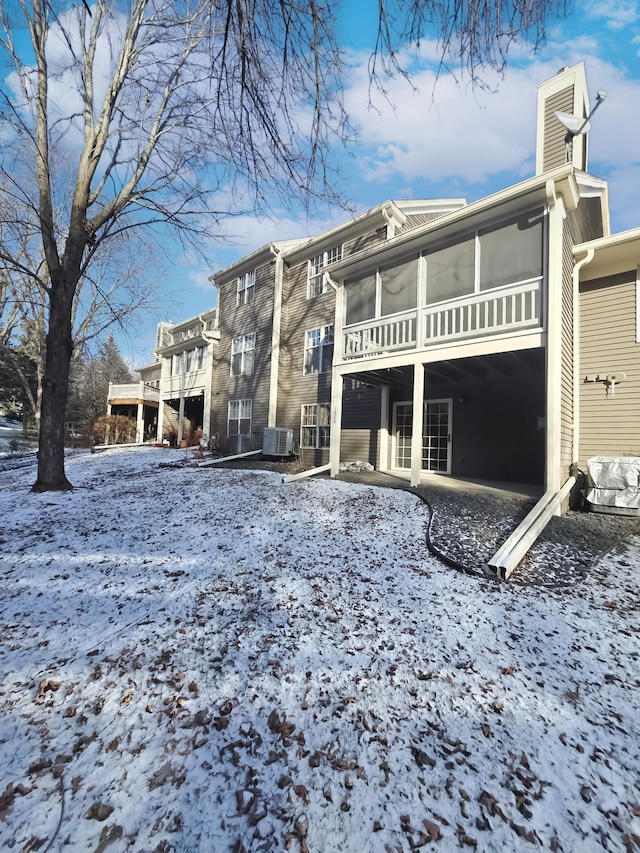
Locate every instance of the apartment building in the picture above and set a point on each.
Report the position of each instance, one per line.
(495, 340)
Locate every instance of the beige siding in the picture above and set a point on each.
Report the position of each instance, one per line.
(295, 389)
(554, 132)
(567, 456)
(299, 315)
(256, 316)
(609, 423)
(585, 222)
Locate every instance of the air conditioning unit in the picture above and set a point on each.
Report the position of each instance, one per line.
(277, 441)
(240, 444)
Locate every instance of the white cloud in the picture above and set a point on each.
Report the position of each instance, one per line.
(617, 15)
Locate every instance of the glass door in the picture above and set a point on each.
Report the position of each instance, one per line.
(436, 435)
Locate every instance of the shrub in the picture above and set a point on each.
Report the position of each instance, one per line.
(114, 429)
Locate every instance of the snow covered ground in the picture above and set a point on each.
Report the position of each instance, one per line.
(209, 660)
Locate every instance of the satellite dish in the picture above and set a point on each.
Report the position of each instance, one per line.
(574, 124)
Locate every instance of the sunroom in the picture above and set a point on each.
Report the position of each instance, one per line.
(452, 322)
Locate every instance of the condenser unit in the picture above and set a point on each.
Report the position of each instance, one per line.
(277, 441)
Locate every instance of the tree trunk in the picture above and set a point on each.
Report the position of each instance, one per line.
(55, 383)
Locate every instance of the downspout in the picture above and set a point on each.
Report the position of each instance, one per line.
(208, 382)
(274, 372)
(576, 351)
(337, 382)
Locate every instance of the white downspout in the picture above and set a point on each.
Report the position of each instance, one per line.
(576, 351)
(337, 381)
(274, 373)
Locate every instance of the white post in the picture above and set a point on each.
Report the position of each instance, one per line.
(337, 383)
(416, 434)
(180, 417)
(383, 459)
(140, 420)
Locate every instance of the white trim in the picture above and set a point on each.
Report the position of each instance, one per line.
(638, 304)
(418, 416)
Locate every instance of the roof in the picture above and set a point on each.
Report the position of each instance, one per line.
(609, 255)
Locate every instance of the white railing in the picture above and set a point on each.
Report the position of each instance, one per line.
(133, 391)
(192, 381)
(493, 312)
(489, 313)
(388, 334)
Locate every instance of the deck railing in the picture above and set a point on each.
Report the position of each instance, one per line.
(133, 391)
(479, 315)
(192, 381)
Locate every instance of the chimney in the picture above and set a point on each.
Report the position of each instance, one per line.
(567, 93)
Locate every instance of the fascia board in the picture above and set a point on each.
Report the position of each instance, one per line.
(612, 254)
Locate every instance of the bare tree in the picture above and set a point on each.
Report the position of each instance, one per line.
(180, 114)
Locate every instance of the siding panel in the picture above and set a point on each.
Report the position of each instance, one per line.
(555, 132)
(609, 424)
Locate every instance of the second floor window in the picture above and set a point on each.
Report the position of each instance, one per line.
(242, 355)
(318, 350)
(246, 287)
(316, 283)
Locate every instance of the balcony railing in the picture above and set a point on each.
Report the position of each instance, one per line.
(193, 381)
(133, 391)
(508, 309)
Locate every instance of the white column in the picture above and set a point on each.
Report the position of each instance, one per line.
(180, 417)
(337, 383)
(140, 418)
(383, 458)
(416, 434)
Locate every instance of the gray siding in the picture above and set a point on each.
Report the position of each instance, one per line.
(360, 436)
(294, 388)
(555, 132)
(609, 423)
(256, 316)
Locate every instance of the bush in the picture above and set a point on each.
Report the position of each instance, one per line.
(114, 429)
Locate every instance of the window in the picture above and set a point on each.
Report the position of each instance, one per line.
(511, 253)
(239, 417)
(246, 287)
(315, 283)
(191, 360)
(314, 429)
(177, 366)
(200, 359)
(451, 271)
(242, 355)
(318, 350)
(399, 287)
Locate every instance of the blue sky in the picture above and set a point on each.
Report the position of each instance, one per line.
(448, 139)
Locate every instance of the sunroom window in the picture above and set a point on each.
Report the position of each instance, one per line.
(511, 253)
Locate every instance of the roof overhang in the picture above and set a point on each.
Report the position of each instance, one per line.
(616, 253)
(526, 195)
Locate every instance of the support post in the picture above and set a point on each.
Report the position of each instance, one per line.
(337, 384)
(383, 458)
(418, 414)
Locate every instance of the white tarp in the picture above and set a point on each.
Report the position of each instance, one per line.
(616, 481)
